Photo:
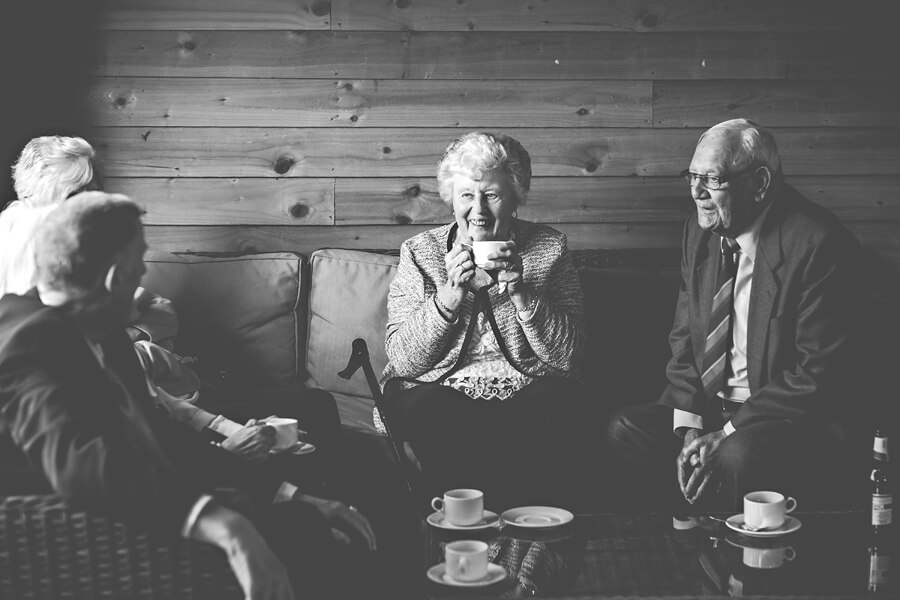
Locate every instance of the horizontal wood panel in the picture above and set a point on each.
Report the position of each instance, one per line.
(600, 199)
(186, 201)
(415, 201)
(219, 238)
(551, 200)
(587, 15)
(374, 152)
(777, 103)
(155, 101)
(216, 14)
(488, 55)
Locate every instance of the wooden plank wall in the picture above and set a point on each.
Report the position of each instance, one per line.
(297, 124)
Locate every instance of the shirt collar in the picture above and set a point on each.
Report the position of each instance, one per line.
(749, 240)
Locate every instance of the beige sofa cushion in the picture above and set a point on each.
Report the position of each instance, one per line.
(239, 314)
(348, 299)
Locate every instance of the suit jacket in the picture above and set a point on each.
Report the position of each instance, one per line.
(71, 422)
(801, 320)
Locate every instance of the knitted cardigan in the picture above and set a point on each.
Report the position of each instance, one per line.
(421, 344)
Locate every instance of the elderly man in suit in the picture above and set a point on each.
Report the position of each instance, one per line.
(74, 404)
(761, 343)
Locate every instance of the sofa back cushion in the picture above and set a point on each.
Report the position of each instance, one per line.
(628, 316)
(240, 315)
(347, 300)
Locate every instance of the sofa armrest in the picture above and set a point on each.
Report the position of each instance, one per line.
(49, 550)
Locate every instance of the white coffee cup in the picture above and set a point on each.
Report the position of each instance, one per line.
(766, 510)
(466, 560)
(768, 558)
(285, 432)
(461, 507)
(481, 250)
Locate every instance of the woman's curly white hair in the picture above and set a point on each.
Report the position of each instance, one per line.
(477, 152)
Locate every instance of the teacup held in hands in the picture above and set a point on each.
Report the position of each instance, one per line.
(285, 432)
(481, 251)
(461, 506)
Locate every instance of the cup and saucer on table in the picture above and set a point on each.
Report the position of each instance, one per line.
(462, 510)
(287, 439)
(765, 516)
(466, 564)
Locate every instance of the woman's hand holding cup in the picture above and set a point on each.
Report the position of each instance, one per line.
(460, 270)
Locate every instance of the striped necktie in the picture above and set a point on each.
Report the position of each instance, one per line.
(718, 340)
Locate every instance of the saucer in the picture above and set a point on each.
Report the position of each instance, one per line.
(736, 523)
(495, 574)
(437, 519)
(537, 517)
(298, 449)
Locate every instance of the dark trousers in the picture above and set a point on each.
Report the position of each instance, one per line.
(794, 459)
(523, 450)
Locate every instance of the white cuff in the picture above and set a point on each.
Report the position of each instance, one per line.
(285, 492)
(192, 517)
(682, 418)
(225, 426)
(728, 428)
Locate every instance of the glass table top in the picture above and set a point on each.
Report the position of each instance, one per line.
(603, 555)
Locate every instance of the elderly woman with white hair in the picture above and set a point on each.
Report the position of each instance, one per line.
(49, 170)
(482, 371)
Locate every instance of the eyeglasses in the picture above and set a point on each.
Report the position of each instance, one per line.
(714, 182)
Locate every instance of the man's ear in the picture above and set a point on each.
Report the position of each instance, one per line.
(762, 181)
(111, 281)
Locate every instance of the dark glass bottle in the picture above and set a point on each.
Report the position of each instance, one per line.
(882, 517)
(882, 498)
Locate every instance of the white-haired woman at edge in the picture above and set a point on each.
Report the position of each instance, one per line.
(503, 411)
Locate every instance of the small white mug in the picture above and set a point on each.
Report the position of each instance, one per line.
(768, 558)
(285, 432)
(766, 510)
(461, 506)
(466, 560)
(481, 250)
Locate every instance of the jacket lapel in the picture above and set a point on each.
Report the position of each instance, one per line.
(706, 266)
(763, 293)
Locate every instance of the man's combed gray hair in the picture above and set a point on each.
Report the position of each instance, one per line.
(50, 168)
(477, 152)
(78, 241)
(757, 145)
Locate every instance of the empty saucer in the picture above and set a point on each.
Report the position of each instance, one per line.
(538, 517)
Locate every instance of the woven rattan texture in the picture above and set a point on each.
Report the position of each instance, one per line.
(49, 551)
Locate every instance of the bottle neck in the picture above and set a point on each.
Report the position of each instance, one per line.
(880, 448)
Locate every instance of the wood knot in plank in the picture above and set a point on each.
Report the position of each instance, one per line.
(189, 46)
(298, 211)
(648, 18)
(321, 9)
(403, 219)
(592, 166)
(386, 150)
(582, 111)
(401, 4)
(413, 191)
(283, 164)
